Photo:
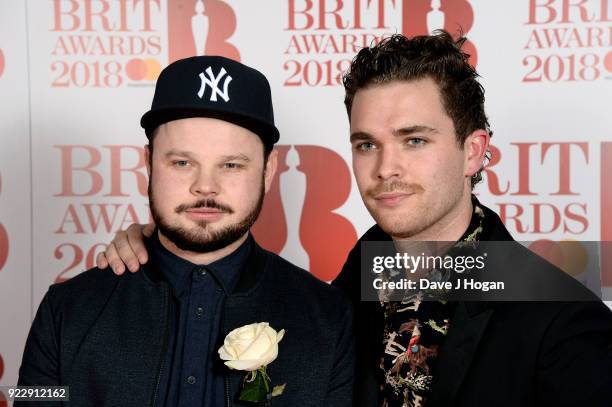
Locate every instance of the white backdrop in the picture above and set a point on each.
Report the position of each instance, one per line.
(76, 75)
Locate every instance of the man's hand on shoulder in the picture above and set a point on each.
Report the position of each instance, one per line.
(126, 249)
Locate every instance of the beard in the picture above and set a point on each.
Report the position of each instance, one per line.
(201, 239)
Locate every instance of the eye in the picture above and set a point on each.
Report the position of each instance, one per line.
(232, 166)
(416, 142)
(180, 163)
(365, 146)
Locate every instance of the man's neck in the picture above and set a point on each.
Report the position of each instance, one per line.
(201, 258)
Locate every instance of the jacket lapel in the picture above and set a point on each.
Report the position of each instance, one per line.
(467, 327)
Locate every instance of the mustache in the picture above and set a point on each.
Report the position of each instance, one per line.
(395, 186)
(204, 203)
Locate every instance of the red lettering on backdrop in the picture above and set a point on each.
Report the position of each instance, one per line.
(327, 237)
(564, 163)
(335, 12)
(566, 11)
(457, 14)
(68, 170)
(330, 14)
(60, 13)
(537, 217)
(221, 26)
(100, 15)
(305, 12)
(116, 170)
(491, 176)
(523, 152)
(606, 213)
(538, 8)
(516, 216)
(270, 230)
(80, 161)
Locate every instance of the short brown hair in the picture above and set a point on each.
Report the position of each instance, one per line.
(437, 56)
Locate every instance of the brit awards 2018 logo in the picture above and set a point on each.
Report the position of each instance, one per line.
(105, 43)
(201, 27)
(324, 35)
(567, 41)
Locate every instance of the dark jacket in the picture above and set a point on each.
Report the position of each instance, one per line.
(105, 335)
(500, 353)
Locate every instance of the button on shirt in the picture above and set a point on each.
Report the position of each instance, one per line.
(192, 374)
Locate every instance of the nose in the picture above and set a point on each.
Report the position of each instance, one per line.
(204, 184)
(389, 163)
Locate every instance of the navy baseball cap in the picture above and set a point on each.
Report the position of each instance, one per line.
(216, 87)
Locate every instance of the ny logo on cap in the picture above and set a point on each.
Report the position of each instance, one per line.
(213, 81)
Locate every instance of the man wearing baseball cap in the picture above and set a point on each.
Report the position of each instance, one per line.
(155, 338)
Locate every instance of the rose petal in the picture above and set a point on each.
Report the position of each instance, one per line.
(248, 365)
(224, 354)
(270, 355)
(258, 347)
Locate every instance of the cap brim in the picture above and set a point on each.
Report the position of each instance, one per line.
(153, 118)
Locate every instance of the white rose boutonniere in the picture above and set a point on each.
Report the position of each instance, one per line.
(251, 348)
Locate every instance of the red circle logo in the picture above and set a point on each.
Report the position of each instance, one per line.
(143, 69)
(569, 255)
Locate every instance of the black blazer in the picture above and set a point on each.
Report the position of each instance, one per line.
(104, 335)
(500, 353)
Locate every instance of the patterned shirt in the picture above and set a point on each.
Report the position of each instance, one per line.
(415, 330)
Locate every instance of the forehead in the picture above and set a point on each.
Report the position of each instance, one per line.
(398, 103)
(206, 135)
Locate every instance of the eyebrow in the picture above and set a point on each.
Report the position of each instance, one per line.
(401, 132)
(183, 153)
(406, 131)
(240, 157)
(189, 154)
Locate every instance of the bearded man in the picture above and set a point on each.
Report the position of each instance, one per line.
(154, 338)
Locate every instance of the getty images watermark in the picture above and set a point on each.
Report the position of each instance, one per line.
(483, 271)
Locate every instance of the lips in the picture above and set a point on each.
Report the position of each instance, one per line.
(204, 213)
(391, 198)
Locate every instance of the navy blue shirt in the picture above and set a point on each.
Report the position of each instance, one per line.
(192, 374)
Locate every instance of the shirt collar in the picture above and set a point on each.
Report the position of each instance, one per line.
(177, 270)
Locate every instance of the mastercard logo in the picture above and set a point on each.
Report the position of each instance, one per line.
(569, 255)
(138, 69)
(1, 62)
